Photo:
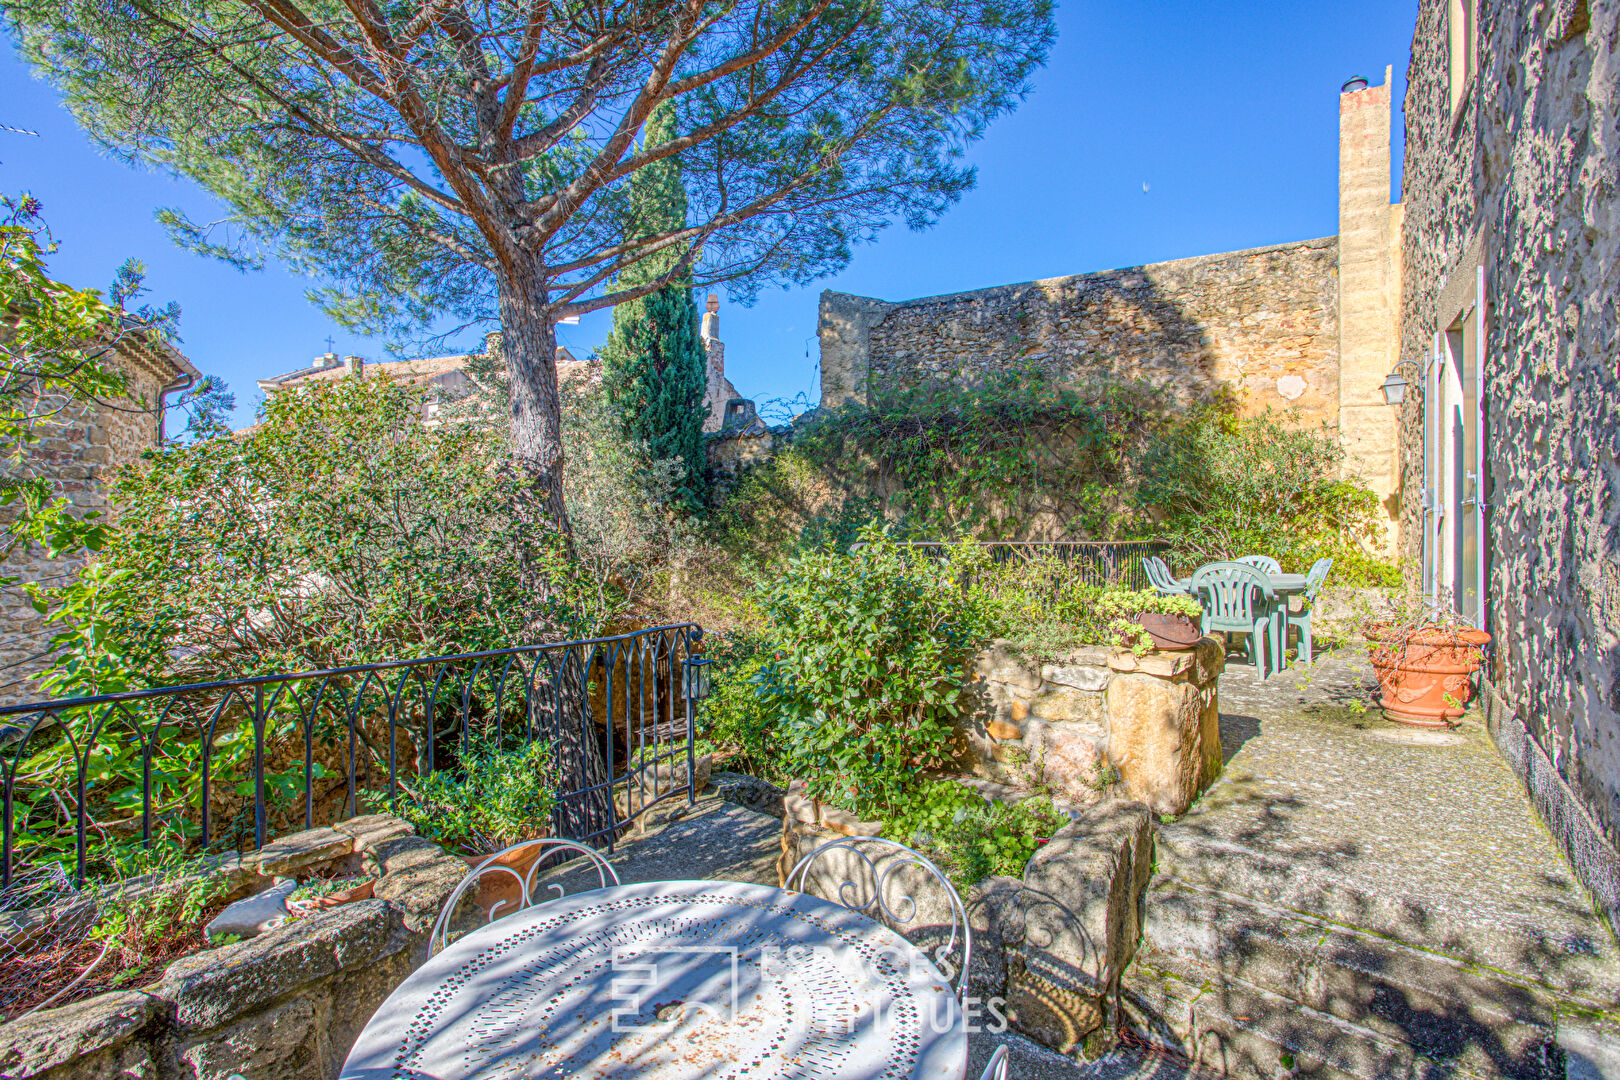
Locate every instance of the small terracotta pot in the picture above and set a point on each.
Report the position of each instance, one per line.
(1418, 671)
(313, 904)
(1172, 633)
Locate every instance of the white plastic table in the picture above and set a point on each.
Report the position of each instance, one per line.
(671, 980)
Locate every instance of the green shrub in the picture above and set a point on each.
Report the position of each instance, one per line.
(734, 719)
(968, 837)
(491, 799)
(870, 649)
(1225, 486)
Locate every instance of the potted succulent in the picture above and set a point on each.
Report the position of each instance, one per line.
(1169, 622)
(1425, 657)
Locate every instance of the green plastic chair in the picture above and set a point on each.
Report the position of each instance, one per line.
(1159, 576)
(1302, 618)
(1239, 599)
(1261, 562)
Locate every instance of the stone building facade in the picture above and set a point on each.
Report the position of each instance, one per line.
(1511, 428)
(77, 454)
(1309, 326)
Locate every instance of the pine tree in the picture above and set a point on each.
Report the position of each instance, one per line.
(654, 367)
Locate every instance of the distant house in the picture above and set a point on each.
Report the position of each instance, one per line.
(445, 374)
(77, 454)
(448, 375)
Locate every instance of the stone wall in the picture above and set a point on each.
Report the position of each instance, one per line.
(75, 453)
(1098, 715)
(1263, 322)
(286, 1005)
(1521, 182)
(1049, 947)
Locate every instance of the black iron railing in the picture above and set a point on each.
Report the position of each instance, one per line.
(214, 766)
(1100, 562)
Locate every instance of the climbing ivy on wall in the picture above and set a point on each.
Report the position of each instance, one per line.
(1021, 456)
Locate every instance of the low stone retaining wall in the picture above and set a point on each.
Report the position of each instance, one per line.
(1048, 949)
(1096, 716)
(286, 1005)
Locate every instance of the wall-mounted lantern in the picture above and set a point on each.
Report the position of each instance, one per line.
(1394, 387)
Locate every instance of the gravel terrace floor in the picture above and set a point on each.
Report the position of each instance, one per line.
(1327, 809)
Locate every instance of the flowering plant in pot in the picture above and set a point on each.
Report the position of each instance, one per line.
(1425, 655)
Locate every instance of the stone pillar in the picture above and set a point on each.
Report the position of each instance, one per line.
(714, 394)
(1369, 295)
(846, 350)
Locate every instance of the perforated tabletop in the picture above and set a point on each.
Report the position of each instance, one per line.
(671, 980)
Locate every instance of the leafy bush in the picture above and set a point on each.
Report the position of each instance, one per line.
(491, 799)
(734, 719)
(969, 837)
(868, 667)
(1225, 486)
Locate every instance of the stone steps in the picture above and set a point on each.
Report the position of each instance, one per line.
(1250, 988)
(1519, 944)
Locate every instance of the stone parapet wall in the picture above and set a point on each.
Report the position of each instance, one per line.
(1262, 322)
(1098, 716)
(286, 1005)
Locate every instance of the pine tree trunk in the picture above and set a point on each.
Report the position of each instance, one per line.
(529, 348)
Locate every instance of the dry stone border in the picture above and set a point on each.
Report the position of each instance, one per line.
(286, 1005)
(1051, 946)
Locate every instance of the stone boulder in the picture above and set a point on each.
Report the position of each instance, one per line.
(1080, 919)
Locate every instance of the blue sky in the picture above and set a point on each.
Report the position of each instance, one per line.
(1228, 113)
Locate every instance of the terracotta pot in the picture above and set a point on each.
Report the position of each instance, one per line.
(313, 904)
(497, 886)
(1172, 633)
(1420, 670)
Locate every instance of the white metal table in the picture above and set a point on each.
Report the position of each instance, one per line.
(671, 980)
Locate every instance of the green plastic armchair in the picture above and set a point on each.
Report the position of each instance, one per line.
(1159, 576)
(1302, 618)
(1261, 562)
(1239, 599)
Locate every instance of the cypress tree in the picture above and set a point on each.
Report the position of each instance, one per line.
(654, 368)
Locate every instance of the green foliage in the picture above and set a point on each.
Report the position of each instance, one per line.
(735, 718)
(338, 531)
(994, 459)
(1226, 486)
(868, 666)
(153, 920)
(654, 367)
(491, 799)
(968, 837)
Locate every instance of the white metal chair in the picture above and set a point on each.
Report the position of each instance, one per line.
(996, 1067)
(441, 927)
(867, 894)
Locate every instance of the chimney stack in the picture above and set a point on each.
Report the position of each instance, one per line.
(711, 320)
(356, 366)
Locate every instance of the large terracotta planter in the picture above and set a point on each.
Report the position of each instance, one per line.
(1425, 674)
